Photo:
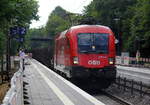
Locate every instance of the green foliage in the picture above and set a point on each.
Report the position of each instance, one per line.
(26, 10)
(141, 20)
(57, 22)
(140, 27)
(133, 23)
(108, 10)
(16, 13)
(34, 33)
(129, 19)
(2, 42)
(113, 13)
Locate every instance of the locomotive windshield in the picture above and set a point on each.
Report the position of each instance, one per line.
(93, 43)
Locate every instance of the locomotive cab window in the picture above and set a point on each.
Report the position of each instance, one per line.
(93, 43)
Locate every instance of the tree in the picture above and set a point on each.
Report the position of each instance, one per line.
(55, 25)
(2, 43)
(35, 33)
(57, 22)
(16, 13)
(140, 27)
(113, 13)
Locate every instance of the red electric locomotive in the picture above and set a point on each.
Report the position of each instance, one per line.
(85, 51)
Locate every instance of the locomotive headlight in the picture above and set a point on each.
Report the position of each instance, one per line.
(111, 61)
(75, 60)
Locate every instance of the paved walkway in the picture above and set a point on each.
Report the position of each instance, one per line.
(135, 69)
(47, 88)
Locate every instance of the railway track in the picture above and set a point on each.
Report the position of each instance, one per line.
(116, 99)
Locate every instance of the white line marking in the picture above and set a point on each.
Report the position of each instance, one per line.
(57, 91)
(84, 94)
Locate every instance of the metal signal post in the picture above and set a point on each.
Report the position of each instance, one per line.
(8, 62)
(13, 32)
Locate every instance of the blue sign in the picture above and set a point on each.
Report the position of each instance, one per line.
(21, 31)
(13, 31)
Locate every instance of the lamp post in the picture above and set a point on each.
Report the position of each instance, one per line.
(137, 42)
(8, 59)
(118, 36)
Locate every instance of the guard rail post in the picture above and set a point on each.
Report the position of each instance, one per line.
(125, 84)
(132, 86)
(141, 85)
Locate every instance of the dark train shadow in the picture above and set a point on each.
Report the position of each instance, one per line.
(90, 86)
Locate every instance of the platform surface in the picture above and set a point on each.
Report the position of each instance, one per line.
(135, 73)
(48, 88)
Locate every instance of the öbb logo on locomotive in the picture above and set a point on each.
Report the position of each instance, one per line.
(94, 62)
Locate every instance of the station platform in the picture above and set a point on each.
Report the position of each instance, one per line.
(45, 87)
(134, 73)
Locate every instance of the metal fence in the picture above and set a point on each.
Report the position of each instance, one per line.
(133, 86)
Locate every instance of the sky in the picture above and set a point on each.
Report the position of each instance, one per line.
(47, 6)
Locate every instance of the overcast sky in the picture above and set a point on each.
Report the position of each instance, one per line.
(47, 6)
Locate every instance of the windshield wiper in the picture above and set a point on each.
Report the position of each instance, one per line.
(102, 52)
(84, 51)
(93, 51)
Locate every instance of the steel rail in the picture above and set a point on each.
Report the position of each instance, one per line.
(116, 98)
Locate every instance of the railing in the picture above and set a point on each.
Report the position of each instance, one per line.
(15, 94)
(132, 86)
(14, 66)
